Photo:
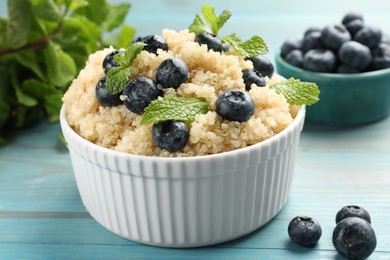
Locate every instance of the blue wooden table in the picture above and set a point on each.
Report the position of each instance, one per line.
(42, 216)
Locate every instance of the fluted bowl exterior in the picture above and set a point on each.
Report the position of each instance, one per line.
(185, 202)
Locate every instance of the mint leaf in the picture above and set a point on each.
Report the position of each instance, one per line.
(29, 59)
(297, 92)
(209, 21)
(199, 26)
(116, 16)
(95, 11)
(249, 48)
(211, 18)
(3, 33)
(175, 109)
(223, 17)
(18, 27)
(23, 98)
(61, 68)
(125, 36)
(75, 4)
(116, 79)
(132, 51)
(52, 106)
(46, 10)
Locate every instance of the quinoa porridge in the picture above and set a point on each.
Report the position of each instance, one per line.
(210, 74)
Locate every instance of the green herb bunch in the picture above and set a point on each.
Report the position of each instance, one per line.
(43, 46)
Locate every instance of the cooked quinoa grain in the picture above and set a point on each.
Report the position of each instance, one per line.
(210, 73)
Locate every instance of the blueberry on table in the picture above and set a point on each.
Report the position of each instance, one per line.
(352, 211)
(355, 54)
(104, 97)
(369, 35)
(354, 26)
(153, 43)
(212, 41)
(319, 60)
(290, 45)
(170, 135)
(262, 65)
(354, 238)
(139, 92)
(312, 41)
(235, 105)
(332, 36)
(295, 58)
(352, 16)
(305, 231)
(171, 73)
(109, 61)
(252, 76)
(381, 57)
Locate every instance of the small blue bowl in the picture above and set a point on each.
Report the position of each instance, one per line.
(345, 99)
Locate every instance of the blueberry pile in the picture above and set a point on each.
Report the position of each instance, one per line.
(353, 237)
(348, 47)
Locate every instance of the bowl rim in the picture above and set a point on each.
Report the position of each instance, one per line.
(297, 120)
(368, 74)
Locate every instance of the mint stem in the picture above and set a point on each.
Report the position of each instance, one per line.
(35, 44)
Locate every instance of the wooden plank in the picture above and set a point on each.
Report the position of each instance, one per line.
(77, 251)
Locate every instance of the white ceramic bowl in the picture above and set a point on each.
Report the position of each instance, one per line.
(185, 202)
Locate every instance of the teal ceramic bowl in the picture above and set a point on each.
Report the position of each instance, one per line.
(345, 99)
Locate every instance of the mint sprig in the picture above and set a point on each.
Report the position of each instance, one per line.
(249, 48)
(297, 92)
(175, 109)
(117, 77)
(43, 46)
(208, 21)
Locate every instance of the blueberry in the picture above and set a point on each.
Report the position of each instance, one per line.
(319, 60)
(333, 36)
(235, 105)
(213, 42)
(289, 45)
(295, 57)
(139, 92)
(262, 65)
(352, 16)
(355, 54)
(104, 97)
(354, 238)
(312, 41)
(305, 231)
(252, 76)
(369, 35)
(380, 57)
(153, 43)
(109, 61)
(225, 46)
(352, 211)
(170, 135)
(345, 69)
(385, 38)
(354, 26)
(171, 73)
(310, 30)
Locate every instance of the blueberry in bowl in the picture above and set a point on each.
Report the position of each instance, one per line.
(351, 66)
